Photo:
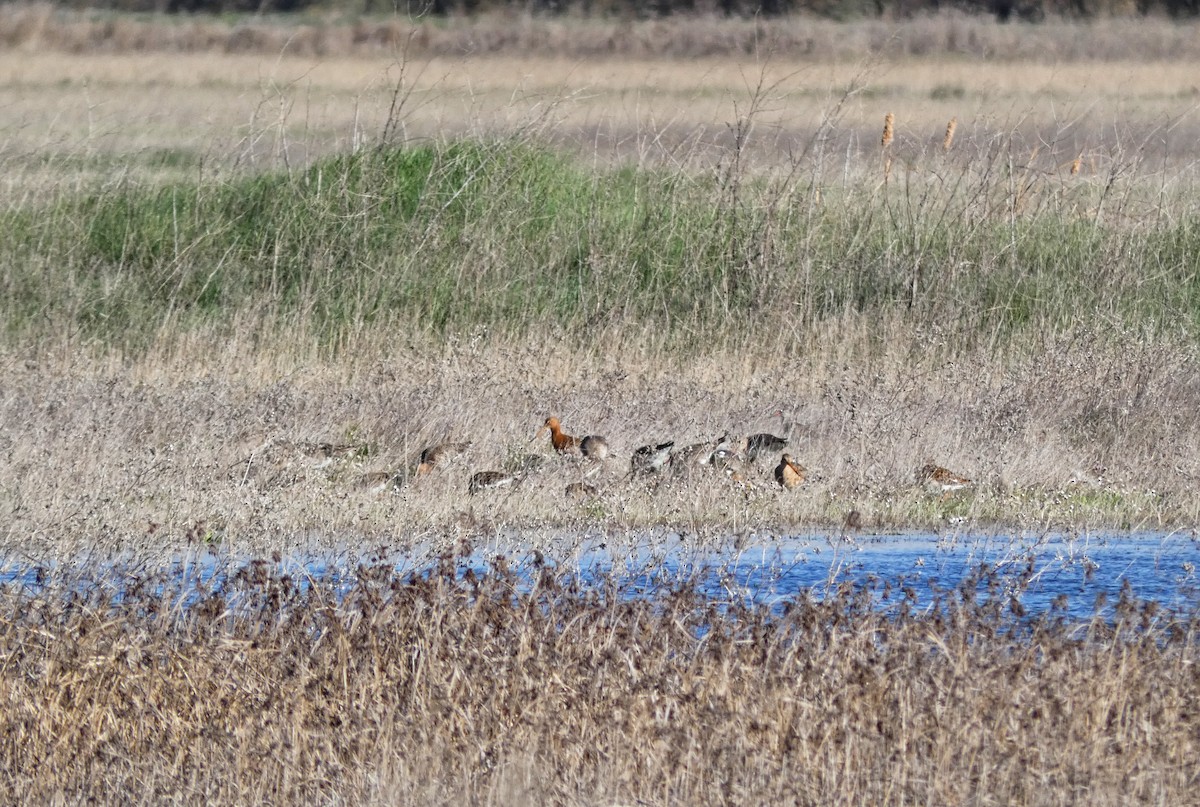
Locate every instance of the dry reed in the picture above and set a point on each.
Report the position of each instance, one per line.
(889, 121)
(449, 688)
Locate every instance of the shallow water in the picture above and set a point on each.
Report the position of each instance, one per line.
(769, 570)
(1156, 567)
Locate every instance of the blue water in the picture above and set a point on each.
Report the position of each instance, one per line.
(769, 570)
(1039, 569)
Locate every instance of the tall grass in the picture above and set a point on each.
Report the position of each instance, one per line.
(504, 234)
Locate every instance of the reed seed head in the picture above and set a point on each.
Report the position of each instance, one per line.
(889, 121)
(948, 140)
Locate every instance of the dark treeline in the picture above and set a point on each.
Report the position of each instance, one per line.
(1004, 10)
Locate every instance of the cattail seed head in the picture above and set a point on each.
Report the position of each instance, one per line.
(889, 121)
(948, 140)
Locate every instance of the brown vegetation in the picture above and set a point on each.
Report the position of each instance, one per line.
(1075, 434)
(486, 689)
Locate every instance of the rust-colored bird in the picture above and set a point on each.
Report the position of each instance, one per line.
(941, 479)
(592, 447)
(435, 455)
(789, 473)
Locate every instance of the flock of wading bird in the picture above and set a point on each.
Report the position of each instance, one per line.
(738, 458)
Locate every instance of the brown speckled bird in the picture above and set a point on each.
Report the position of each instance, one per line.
(580, 491)
(941, 479)
(490, 480)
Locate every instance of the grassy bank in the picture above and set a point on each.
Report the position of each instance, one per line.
(508, 237)
(1034, 330)
(133, 455)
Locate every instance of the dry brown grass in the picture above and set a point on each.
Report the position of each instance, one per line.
(1078, 433)
(483, 690)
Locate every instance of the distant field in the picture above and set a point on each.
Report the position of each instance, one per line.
(271, 110)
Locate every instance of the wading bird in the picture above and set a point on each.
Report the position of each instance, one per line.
(580, 490)
(692, 457)
(592, 447)
(379, 481)
(733, 467)
(490, 480)
(765, 443)
(322, 455)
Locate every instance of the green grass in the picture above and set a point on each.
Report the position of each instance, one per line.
(512, 236)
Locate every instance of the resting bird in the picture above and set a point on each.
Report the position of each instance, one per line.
(728, 462)
(433, 456)
(325, 454)
(650, 459)
(941, 479)
(490, 480)
(789, 473)
(758, 445)
(580, 490)
(765, 443)
(696, 455)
